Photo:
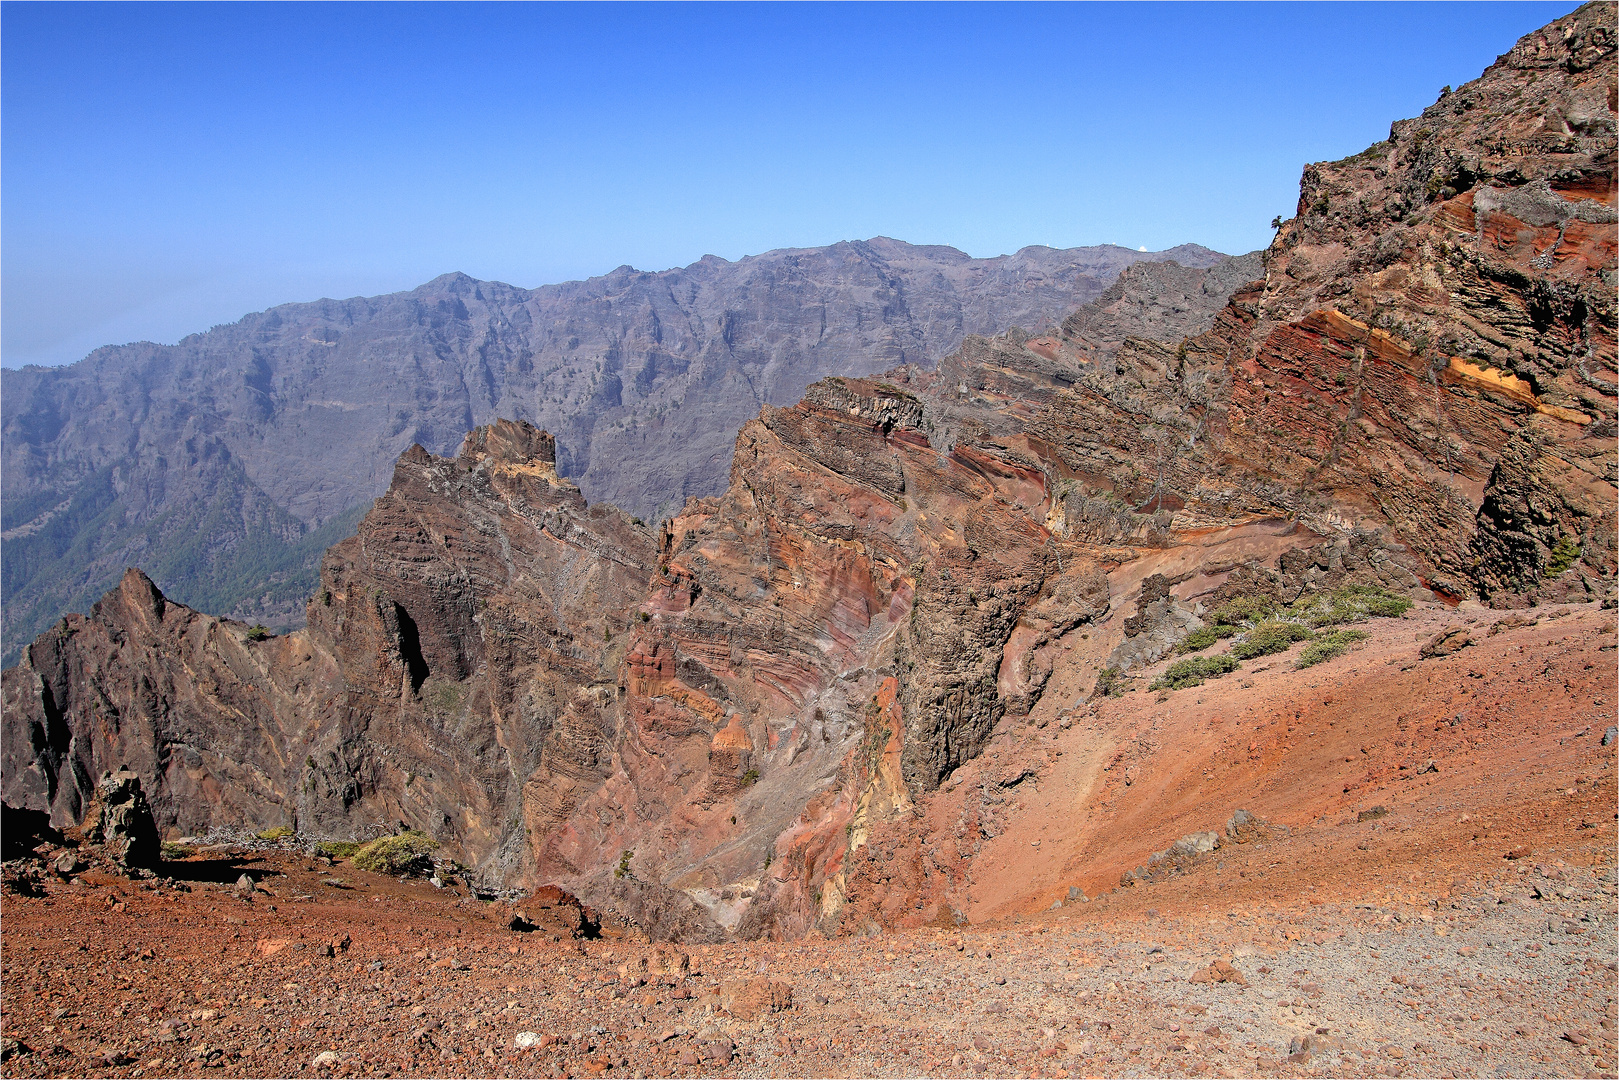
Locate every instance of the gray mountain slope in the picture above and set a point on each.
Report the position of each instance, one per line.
(225, 463)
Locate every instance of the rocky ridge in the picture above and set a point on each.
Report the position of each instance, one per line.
(227, 463)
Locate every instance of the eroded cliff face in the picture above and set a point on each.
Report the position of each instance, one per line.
(1434, 341)
(731, 725)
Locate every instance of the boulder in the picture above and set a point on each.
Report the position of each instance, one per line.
(120, 821)
(748, 999)
(1245, 827)
(1198, 843)
(1448, 642)
(1220, 971)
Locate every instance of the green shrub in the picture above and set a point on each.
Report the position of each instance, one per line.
(1198, 640)
(338, 849)
(1350, 603)
(1110, 683)
(750, 777)
(280, 832)
(1193, 670)
(402, 853)
(172, 850)
(1270, 637)
(1327, 646)
(624, 858)
(1241, 609)
(258, 632)
(1562, 556)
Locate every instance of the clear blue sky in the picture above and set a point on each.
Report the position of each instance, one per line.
(167, 168)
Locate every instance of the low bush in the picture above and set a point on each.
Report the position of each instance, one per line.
(1270, 637)
(280, 832)
(172, 850)
(1327, 646)
(1110, 683)
(1198, 640)
(403, 853)
(1562, 556)
(1350, 603)
(338, 849)
(1241, 609)
(1193, 671)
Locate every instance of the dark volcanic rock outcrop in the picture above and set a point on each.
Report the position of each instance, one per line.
(225, 464)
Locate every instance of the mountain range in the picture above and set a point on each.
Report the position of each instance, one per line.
(224, 465)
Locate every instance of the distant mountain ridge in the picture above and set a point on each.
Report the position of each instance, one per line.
(226, 463)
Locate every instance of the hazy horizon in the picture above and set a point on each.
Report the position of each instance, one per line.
(174, 167)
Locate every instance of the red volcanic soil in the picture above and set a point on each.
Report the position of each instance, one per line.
(1352, 941)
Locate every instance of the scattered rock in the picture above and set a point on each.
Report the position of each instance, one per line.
(747, 999)
(1221, 971)
(1372, 814)
(1512, 621)
(326, 1059)
(22, 830)
(1519, 852)
(1305, 1047)
(1076, 895)
(526, 1040)
(1245, 827)
(1610, 736)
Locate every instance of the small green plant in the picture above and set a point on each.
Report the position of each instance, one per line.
(1198, 640)
(1562, 556)
(1350, 603)
(1241, 609)
(172, 850)
(280, 832)
(623, 869)
(750, 777)
(1329, 645)
(645, 616)
(338, 849)
(403, 853)
(1270, 637)
(258, 632)
(1193, 671)
(1110, 683)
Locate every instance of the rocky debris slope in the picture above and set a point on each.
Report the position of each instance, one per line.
(1287, 955)
(225, 464)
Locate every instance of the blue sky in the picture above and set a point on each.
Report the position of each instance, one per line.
(170, 167)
